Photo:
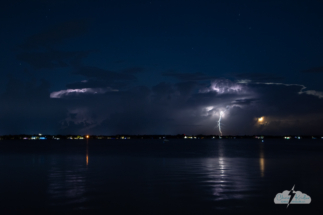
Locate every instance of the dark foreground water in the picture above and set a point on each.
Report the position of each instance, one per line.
(150, 177)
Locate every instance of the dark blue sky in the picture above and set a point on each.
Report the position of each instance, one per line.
(148, 67)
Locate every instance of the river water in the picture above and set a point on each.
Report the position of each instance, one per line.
(228, 176)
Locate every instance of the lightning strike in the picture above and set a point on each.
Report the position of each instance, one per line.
(219, 122)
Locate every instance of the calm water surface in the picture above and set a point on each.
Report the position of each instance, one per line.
(228, 176)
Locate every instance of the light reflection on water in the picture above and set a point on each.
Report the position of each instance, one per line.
(66, 182)
(221, 177)
(262, 160)
(227, 178)
(178, 177)
(87, 153)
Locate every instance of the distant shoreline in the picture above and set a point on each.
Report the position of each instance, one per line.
(161, 137)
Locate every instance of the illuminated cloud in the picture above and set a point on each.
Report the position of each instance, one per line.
(244, 81)
(302, 90)
(262, 121)
(308, 92)
(223, 86)
(185, 107)
(73, 92)
(79, 116)
(288, 85)
(207, 111)
(314, 93)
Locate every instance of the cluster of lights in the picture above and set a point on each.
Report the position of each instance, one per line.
(189, 137)
(76, 138)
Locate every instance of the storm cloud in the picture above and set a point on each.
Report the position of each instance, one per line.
(132, 68)
(170, 108)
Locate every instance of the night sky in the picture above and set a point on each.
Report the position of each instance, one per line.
(161, 67)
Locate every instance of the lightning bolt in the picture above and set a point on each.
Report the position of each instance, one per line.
(292, 194)
(219, 122)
